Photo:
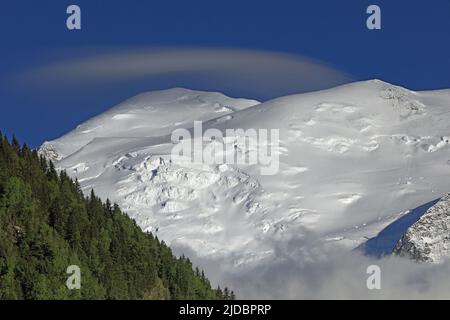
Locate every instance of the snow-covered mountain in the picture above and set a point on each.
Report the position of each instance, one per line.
(428, 240)
(353, 160)
(145, 115)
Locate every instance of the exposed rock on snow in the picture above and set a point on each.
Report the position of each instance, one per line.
(49, 151)
(428, 240)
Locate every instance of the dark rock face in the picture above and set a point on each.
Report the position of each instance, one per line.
(428, 240)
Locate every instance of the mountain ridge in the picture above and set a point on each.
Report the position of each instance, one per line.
(137, 112)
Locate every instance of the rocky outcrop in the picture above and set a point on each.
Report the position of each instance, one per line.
(48, 151)
(428, 240)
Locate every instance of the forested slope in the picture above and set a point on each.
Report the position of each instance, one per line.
(47, 224)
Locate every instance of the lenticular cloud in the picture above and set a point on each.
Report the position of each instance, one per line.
(263, 72)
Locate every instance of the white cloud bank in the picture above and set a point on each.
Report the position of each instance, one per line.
(309, 272)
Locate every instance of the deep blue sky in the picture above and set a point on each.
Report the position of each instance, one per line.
(412, 49)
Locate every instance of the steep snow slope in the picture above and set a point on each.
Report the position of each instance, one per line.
(429, 238)
(148, 114)
(353, 159)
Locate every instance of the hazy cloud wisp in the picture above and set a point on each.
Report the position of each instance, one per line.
(256, 71)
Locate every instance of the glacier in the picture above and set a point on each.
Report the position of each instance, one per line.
(352, 160)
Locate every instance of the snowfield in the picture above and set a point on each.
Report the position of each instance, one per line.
(353, 159)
